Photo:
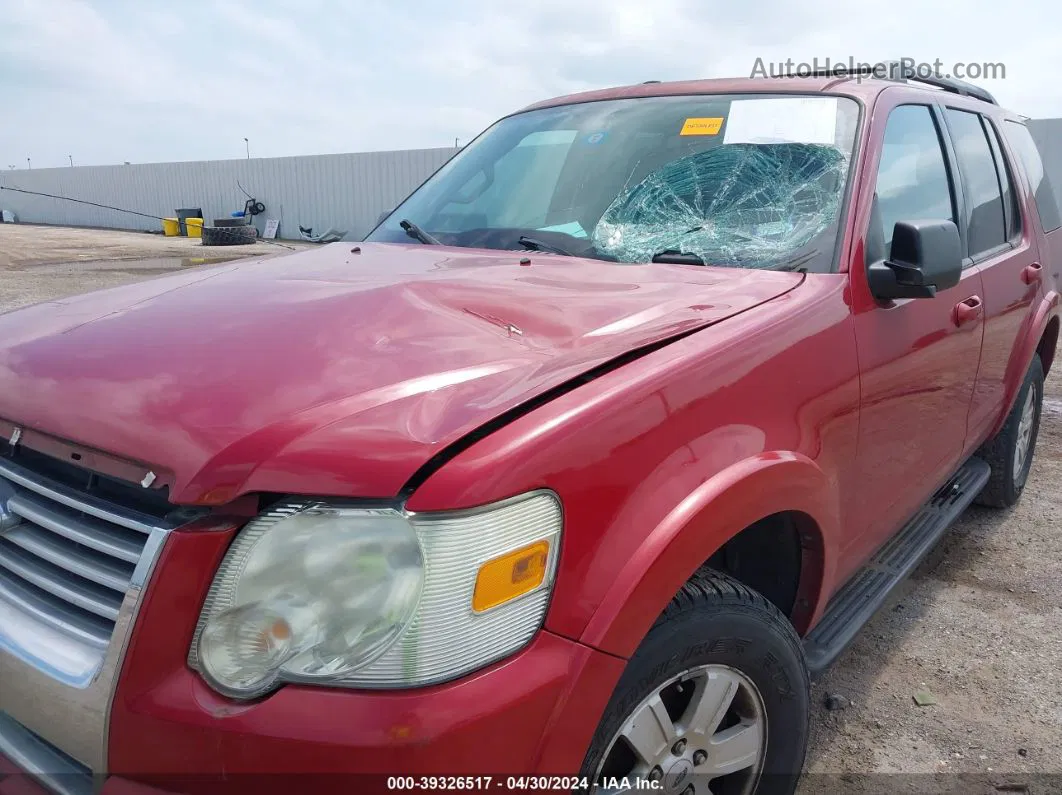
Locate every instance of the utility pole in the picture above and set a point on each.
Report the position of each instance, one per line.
(248, 145)
(28, 163)
(71, 160)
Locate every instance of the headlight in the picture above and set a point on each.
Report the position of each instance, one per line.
(316, 592)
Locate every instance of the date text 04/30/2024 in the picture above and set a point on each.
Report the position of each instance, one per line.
(516, 783)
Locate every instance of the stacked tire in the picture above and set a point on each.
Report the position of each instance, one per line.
(229, 232)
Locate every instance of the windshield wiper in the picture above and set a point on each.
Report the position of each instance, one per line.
(672, 256)
(541, 245)
(798, 263)
(417, 233)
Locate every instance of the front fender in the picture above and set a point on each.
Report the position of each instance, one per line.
(715, 512)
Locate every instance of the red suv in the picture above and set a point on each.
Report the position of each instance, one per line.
(606, 440)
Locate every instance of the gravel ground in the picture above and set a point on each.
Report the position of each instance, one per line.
(979, 624)
(23, 245)
(38, 263)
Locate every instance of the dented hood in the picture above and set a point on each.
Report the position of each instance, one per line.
(331, 371)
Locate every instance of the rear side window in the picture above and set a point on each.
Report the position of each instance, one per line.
(984, 198)
(1046, 201)
(1007, 182)
(912, 178)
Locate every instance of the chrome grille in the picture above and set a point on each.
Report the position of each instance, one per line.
(70, 545)
(67, 569)
(77, 549)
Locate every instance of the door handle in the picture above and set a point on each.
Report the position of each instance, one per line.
(968, 311)
(1032, 273)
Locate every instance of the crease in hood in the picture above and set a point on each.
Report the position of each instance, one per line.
(334, 373)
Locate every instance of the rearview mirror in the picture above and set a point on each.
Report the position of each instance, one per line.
(926, 256)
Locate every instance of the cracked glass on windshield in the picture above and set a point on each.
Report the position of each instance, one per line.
(748, 181)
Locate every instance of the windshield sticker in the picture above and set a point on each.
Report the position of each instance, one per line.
(702, 126)
(744, 206)
(574, 228)
(595, 138)
(548, 138)
(799, 120)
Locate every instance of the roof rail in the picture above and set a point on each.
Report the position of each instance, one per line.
(901, 71)
(907, 73)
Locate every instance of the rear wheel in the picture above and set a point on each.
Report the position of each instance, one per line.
(715, 701)
(1010, 453)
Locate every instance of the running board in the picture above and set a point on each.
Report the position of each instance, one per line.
(861, 597)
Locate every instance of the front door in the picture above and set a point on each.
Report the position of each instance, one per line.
(918, 357)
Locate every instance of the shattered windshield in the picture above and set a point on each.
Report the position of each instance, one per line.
(749, 181)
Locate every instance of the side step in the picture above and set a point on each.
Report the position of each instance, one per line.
(862, 596)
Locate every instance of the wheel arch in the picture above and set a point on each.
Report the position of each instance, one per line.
(776, 484)
(778, 557)
(1037, 341)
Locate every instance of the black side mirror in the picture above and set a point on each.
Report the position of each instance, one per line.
(926, 256)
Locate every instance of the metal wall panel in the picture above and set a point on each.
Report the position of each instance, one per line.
(1048, 136)
(347, 191)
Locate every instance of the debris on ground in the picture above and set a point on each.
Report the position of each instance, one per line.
(924, 698)
(835, 702)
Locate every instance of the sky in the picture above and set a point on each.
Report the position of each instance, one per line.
(109, 81)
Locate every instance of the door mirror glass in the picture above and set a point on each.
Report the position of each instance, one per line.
(925, 256)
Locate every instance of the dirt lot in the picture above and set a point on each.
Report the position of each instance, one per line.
(31, 244)
(979, 625)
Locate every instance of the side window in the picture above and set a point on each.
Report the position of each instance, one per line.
(984, 198)
(912, 181)
(1046, 199)
(1011, 205)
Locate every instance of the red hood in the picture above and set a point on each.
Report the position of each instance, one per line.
(329, 372)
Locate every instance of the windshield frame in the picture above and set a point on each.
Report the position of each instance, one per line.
(847, 194)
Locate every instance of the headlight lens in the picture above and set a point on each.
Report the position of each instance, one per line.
(311, 595)
(376, 597)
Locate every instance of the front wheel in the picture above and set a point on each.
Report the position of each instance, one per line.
(714, 702)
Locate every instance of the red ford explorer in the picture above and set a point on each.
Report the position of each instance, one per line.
(569, 477)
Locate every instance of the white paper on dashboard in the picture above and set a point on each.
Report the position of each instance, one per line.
(802, 120)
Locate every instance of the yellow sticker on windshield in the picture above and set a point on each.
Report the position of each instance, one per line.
(702, 126)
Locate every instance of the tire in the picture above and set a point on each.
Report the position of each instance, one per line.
(722, 635)
(1008, 478)
(225, 222)
(229, 236)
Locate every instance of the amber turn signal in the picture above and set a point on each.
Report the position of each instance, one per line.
(504, 578)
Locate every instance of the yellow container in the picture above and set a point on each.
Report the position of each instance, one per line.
(194, 226)
(170, 227)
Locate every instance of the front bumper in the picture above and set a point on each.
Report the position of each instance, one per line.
(534, 712)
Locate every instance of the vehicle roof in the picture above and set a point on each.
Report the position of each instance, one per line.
(865, 88)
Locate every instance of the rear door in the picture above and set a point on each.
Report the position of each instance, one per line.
(1044, 200)
(918, 357)
(1003, 246)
